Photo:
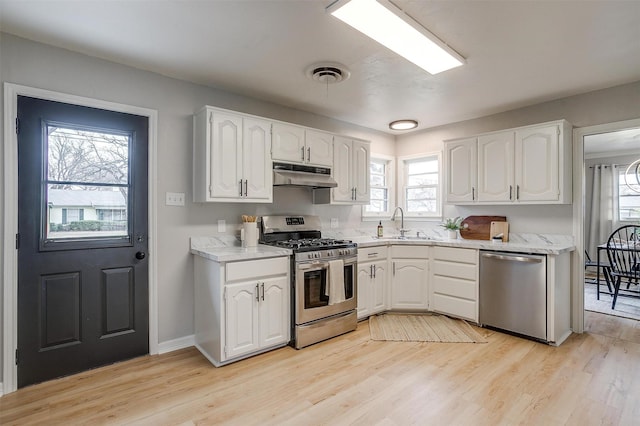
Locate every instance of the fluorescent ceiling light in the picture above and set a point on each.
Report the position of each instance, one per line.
(388, 25)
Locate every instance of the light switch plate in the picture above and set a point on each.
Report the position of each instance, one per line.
(222, 225)
(334, 222)
(174, 199)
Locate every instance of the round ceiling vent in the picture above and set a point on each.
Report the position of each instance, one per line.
(328, 72)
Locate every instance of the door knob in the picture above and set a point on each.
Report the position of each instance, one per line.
(140, 255)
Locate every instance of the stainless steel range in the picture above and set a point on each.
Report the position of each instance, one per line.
(323, 277)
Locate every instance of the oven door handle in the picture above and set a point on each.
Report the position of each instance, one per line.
(313, 265)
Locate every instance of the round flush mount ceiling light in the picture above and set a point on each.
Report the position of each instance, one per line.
(328, 72)
(403, 124)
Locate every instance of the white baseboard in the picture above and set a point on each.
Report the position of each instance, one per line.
(175, 344)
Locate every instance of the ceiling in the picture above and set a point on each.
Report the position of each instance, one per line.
(518, 53)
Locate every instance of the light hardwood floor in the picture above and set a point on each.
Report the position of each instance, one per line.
(593, 378)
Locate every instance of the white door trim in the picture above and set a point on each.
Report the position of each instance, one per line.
(578, 211)
(10, 224)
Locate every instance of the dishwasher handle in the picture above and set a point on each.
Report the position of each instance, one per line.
(526, 259)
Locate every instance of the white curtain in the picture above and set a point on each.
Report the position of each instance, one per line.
(604, 206)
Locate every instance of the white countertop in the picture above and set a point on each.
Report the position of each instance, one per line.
(536, 247)
(226, 248)
(223, 250)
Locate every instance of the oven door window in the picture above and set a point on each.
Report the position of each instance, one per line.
(349, 280)
(315, 288)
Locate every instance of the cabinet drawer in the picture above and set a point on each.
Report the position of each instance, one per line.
(257, 268)
(455, 287)
(465, 271)
(455, 254)
(453, 306)
(410, 252)
(372, 253)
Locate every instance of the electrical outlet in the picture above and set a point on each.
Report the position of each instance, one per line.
(334, 222)
(222, 225)
(174, 199)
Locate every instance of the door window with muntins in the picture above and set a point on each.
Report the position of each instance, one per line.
(87, 187)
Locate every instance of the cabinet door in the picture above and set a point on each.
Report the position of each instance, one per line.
(495, 167)
(241, 319)
(256, 168)
(226, 156)
(537, 164)
(409, 284)
(365, 272)
(288, 143)
(360, 171)
(461, 168)
(274, 309)
(378, 296)
(319, 148)
(342, 163)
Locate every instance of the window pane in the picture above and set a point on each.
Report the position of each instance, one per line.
(421, 193)
(628, 199)
(378, 194)
(81, 211)
(423, 179)
(423, 166)
(377, 167)
(75, 155)
(377, 180)
(376, 206)
(422, 206)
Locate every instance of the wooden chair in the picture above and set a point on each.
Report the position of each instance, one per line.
(623, 251)
(606, 270)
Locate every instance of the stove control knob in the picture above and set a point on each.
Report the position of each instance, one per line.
(309, 256)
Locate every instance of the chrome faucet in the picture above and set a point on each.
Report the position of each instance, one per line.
(393, 217)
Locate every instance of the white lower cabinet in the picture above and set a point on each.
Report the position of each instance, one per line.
(372, 280)
(409, 277)
(241, 308)
(453, 282)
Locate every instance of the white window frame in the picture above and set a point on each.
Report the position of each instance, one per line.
(620, 181)
(391, 187)
(402, 187)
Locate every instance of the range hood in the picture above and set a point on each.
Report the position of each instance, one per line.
(299, 175)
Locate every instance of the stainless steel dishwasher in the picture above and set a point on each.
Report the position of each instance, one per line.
(513, 292)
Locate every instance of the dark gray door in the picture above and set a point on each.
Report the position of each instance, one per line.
(82, 243)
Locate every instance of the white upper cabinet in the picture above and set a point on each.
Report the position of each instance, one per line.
(461, 162)
(295, 144)
(319, 147)
(231, 161)
(351, 170)
(536, 147)
(528, 165)
(495, 167)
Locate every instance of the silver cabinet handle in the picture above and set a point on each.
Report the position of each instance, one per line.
(372, 254)
(374, 271)
(370, 271)
(510, 191)
(257, 292)
(241, 187)
(246, 187)
(302, 149)
(262, 292)
(309, 154)
(473, 193)
(517, 192)
(394, 268)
